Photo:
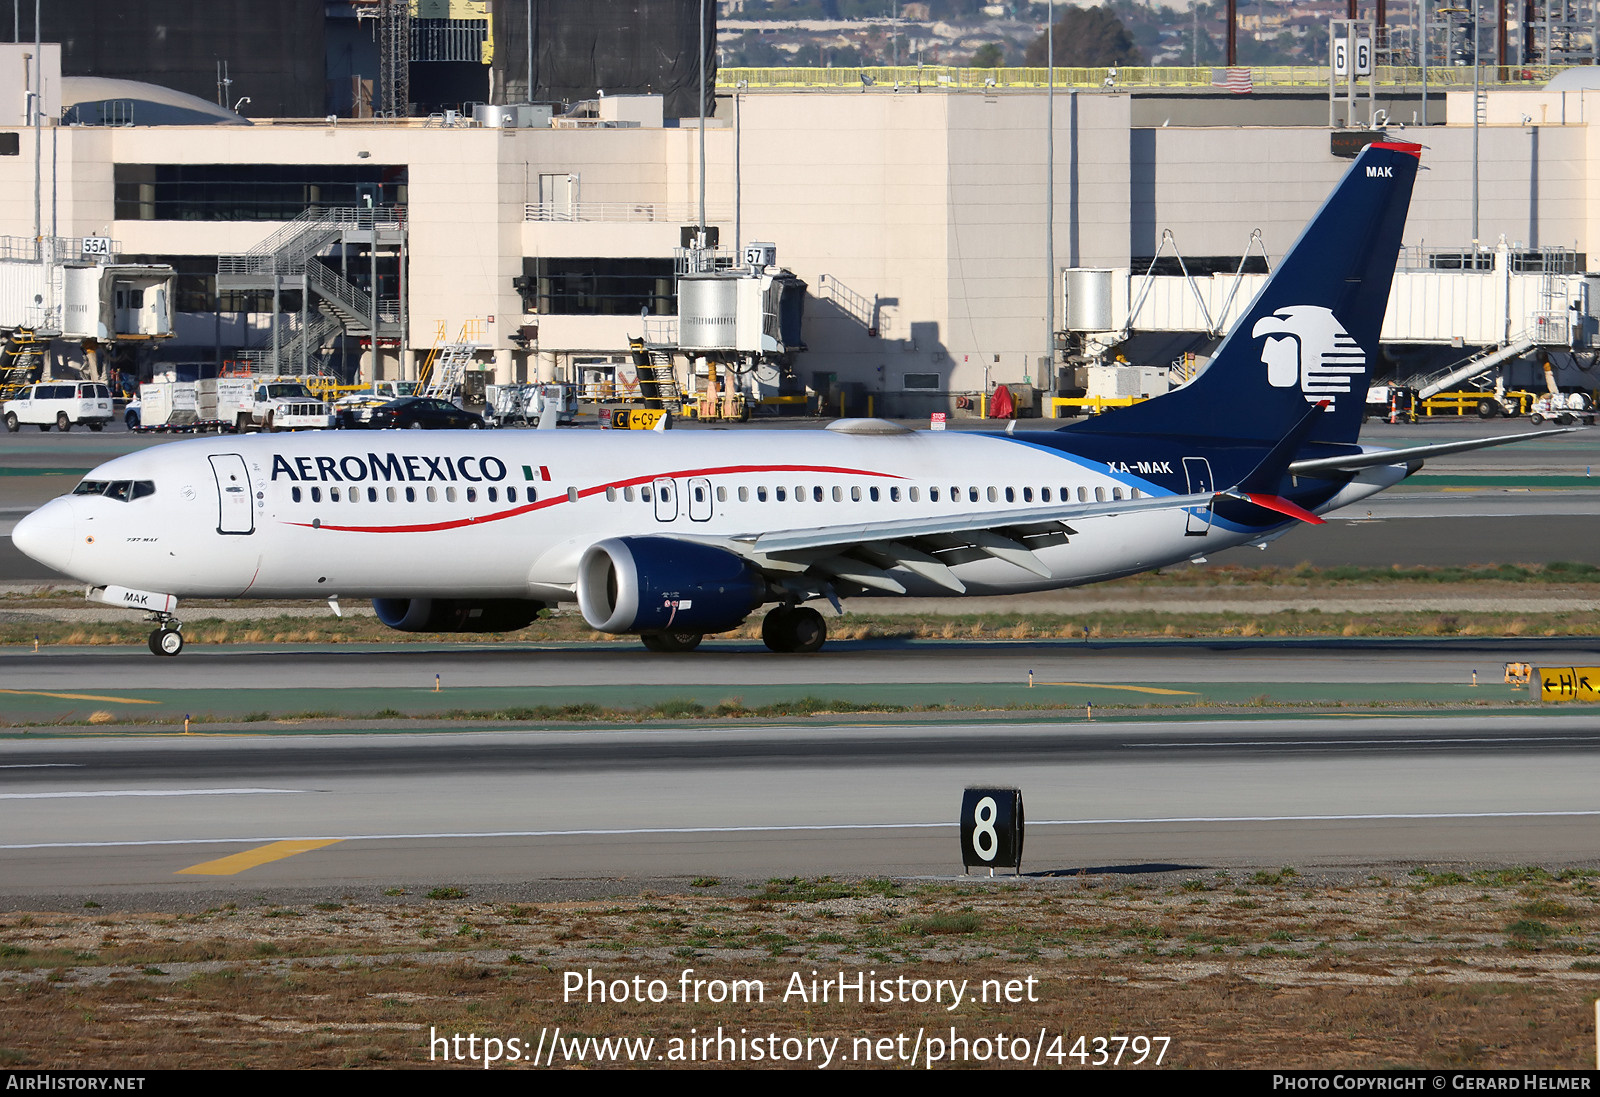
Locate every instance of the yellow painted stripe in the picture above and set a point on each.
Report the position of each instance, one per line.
(250, 858)
(1131, 689)
(79, 697)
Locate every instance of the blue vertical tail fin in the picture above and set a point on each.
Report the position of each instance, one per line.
(1311, 334)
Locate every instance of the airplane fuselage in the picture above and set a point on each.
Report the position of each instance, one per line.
(509, 515)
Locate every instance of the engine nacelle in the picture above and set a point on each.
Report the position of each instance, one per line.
(456, 614)
(656, 584)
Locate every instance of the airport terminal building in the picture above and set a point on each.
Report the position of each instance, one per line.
(916, 217)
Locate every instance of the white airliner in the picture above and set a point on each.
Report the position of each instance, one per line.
(674, 535)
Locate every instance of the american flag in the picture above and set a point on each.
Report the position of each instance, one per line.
(1235, 80)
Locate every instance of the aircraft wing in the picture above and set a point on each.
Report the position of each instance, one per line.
(865, 552)
(1353, 462)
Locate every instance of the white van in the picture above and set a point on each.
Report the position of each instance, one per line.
(59, 403)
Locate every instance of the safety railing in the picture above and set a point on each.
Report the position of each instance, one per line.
(934, 77)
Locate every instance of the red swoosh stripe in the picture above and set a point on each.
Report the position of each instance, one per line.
(480, 519)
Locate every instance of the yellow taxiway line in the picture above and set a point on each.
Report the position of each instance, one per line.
(1131, 689)
(250, 858)
(79, 697)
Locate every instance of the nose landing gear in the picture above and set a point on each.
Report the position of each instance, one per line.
(168, 638)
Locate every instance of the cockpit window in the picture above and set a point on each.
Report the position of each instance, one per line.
(120, 490)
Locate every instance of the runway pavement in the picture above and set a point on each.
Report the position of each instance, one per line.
(506, 808)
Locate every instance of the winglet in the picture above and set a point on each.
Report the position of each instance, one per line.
(1274, 502)
(1266, 476)
(1260, 486)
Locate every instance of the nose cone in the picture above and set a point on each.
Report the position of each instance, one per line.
(48, 534)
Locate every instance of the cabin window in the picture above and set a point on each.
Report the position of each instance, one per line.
(838, 495)
(627, 495)
(779, 492)
(722, 494)
(972, 494)
(1027, 495)
(872, 493)
(644, 494)
(494, 495)
(761, 494)
(1099, 495)
(1083, 495)
(1116, 493)
(411, 495)
(1011, 495)
(933, 495)
(1044, 495)
(389, 492)
(611, 495)
(816, 493)
(914, 494)
(294, 493)
(472, 495)
(572, 495)
(993, 496)
(511, 495)
(316, 495)
(744, 495)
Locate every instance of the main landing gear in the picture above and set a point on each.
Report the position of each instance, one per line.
(794, 629)
(167, 639)
(672, 641)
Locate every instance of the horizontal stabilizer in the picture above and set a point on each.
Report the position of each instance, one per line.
(1352, 462)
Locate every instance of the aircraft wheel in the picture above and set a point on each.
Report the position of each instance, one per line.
(11, 422)
(671, 641)
(63, 424)
(798, 630)
(166, 641)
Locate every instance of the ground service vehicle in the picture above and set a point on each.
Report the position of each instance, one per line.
(672, 535)
(59, 404)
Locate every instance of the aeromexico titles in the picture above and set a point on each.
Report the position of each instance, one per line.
(676, 535)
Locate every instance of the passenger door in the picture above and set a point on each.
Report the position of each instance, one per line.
(235, 516)
(1198, 471)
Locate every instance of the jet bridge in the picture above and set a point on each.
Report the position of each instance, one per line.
(72, 288)
(1442, 296)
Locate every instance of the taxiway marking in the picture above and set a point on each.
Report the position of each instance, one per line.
(236, 863)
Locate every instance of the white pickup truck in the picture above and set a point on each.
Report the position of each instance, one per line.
(273, 405)
(230, 403)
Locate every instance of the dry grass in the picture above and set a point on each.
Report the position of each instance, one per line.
(1489, 970)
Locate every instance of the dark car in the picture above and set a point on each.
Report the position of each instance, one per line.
(414, 413)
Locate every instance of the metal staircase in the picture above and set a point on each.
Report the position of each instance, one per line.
(443, 378)
(1427, 385)
(21, 362)
(289, 260)
(658, 380)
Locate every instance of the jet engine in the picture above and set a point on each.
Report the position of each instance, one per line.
(456, 614)
(659, 584)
